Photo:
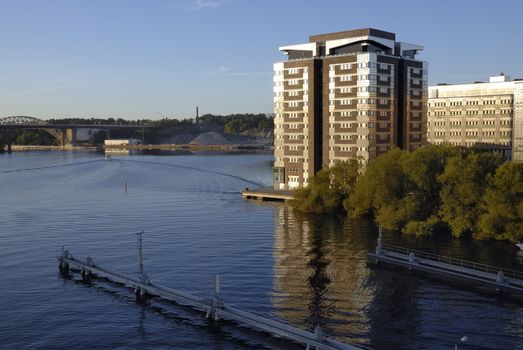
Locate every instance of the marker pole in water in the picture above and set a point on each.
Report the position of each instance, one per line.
(125, 186)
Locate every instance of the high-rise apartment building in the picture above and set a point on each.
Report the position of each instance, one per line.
(483, 115)
(352, 94)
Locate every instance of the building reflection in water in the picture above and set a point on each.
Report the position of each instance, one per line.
(320, 273)
(321, 277)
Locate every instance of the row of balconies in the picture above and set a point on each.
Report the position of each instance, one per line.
(339, 71)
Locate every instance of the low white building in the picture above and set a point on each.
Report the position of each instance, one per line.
(123, 142)
(121, 146)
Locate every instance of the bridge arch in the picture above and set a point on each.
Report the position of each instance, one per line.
(33, 123)
(21, 120)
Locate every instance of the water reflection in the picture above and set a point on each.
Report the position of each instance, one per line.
(320, 273)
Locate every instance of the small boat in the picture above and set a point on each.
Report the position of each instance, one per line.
(520, 245)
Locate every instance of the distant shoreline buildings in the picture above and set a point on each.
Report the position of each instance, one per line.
(352, 94)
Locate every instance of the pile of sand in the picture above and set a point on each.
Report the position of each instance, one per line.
(210, 138)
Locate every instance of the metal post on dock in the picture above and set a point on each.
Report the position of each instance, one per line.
(320, 337)
(380, 240)
(86, 272)
(500, 278)
(140, 255)
(216, 300)
(141, 293)
(63, 265)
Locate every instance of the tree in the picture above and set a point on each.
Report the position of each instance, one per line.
(328, 188)
(503, 205)
(401, 190)
(464, 182)
(379, 191)
(422, 168)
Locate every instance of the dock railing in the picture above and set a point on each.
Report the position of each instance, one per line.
(517, 275)
(215, 307)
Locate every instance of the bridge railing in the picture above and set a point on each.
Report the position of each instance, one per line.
(455, 261)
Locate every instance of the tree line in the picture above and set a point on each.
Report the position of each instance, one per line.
(232, 123)
(433, 189)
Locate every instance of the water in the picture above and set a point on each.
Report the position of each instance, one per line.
(304, 270)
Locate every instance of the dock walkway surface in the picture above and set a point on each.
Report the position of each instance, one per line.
(214, 308)
(499, 279)
(267, 194)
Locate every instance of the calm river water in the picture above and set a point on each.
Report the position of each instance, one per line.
(303, 270)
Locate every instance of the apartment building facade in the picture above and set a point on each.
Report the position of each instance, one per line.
(483, 115)
(352, 94)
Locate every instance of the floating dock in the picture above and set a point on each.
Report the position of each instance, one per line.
(498, 279)
(214, 308)
(267, 194)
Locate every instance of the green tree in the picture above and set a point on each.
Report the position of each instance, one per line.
(328, 188)
(422, 168)
(503, 204)
(380, 190)
(401, 190)
(464, 182)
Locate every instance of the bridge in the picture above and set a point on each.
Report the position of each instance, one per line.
(64, 133)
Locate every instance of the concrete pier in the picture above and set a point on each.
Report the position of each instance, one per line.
(267, 194)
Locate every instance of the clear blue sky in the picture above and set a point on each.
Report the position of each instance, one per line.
(156, 58)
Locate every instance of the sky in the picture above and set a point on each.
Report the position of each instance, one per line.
(161, 58)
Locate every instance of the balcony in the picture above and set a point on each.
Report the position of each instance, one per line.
(386, 129)
(388, 70)
(416, 75)
(413, 107)
(298, 108)
(339, 105)
(339, 141)
(386, 105)
(298, 130)
(293, 153)
(384, 94)
(352, 94)
(418, 128)
(385, 82)
(340, 129)
(385, 118)
(415, 86)
(345, 154)
(288, 140)
(298, 97)
(383, 141)
(297, 119)
(298, 75)
(345, 118)
(339, 71)
(288, 86)
(339, 82)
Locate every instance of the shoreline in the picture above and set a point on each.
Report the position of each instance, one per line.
(165, 147)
